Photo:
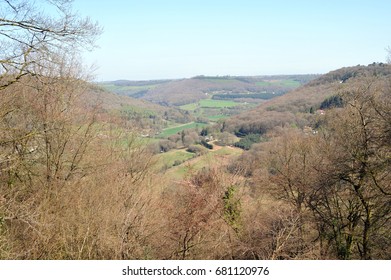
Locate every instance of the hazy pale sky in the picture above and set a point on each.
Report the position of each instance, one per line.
(151, 39)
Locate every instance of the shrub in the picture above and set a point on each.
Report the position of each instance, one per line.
(206, 145)
(246, 142)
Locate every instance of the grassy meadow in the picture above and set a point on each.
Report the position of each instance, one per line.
(175, 129)
(218, 156)
(289, 83)
(210, 103)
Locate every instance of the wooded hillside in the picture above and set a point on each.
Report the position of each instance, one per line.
(87, 174)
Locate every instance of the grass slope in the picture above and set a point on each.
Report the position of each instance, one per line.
(174, 130)
(219, 157)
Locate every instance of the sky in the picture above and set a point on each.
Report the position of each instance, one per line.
(168, 39)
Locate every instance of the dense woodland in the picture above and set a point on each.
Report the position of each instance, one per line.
(78, 182)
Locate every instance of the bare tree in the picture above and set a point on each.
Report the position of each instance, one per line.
(28, 29)
(45, 127)
(352, 197)
(291, 172)
(204, 218)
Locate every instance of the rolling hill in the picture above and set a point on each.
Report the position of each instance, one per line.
(185, 91)
(296, 107)
(148, 117)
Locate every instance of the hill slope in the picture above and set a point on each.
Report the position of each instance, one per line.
(145, 115)
(185, 91)
(295, 107)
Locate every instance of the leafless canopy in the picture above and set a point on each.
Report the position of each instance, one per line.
(29, 29)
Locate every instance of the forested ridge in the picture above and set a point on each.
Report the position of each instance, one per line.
(305, 175)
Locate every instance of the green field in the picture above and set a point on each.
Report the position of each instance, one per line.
(189, 107)
(168, 159)
(210, 103)
(127, 90)
(174, 130)
(217, 117)
(290, 83)
(283, 83)
(211, 158)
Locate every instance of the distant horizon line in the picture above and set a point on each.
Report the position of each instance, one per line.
(209, 76)
(229, 75)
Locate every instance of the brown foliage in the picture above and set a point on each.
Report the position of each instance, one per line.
(197, 226)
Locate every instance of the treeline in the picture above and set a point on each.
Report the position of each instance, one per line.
(344, 74)
(264, 96)
(303, 79)
(295, 108)
(334, 101)
(136, 83)
(248, 140)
